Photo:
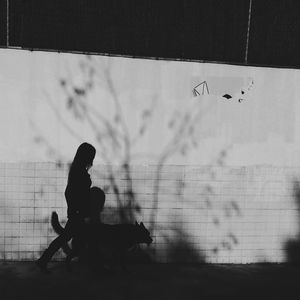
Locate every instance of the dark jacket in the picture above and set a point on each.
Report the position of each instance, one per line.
(77, 193)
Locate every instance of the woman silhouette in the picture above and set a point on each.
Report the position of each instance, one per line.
(77, 195)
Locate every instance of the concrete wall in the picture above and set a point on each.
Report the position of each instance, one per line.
(213, 172)
(213, 214)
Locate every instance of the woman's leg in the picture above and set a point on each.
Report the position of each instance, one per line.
(69, 231)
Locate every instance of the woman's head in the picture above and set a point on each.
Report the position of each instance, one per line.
(85, 155)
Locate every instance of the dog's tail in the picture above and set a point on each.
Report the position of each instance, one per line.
(59, 230)
(55, 223)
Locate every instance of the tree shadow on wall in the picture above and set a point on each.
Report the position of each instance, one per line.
(117, 142)
(179, 246)
(292, 246)
(182, 250)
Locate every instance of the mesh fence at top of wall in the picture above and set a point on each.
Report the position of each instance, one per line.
(196, 214)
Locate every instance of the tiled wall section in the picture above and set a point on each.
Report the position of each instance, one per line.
(197, 213)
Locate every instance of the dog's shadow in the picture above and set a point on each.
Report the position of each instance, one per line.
(118, 245)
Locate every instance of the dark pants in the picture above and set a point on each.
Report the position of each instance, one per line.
(74, 229)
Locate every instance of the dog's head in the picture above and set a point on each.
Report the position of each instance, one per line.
(143, 235)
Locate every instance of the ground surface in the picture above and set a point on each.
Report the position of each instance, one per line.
(21, 280)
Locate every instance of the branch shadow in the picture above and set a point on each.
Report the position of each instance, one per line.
(181, 250)
(292, 246)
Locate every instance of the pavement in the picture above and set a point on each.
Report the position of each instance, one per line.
(22, 280)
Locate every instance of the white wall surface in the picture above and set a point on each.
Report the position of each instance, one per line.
(223, 172)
